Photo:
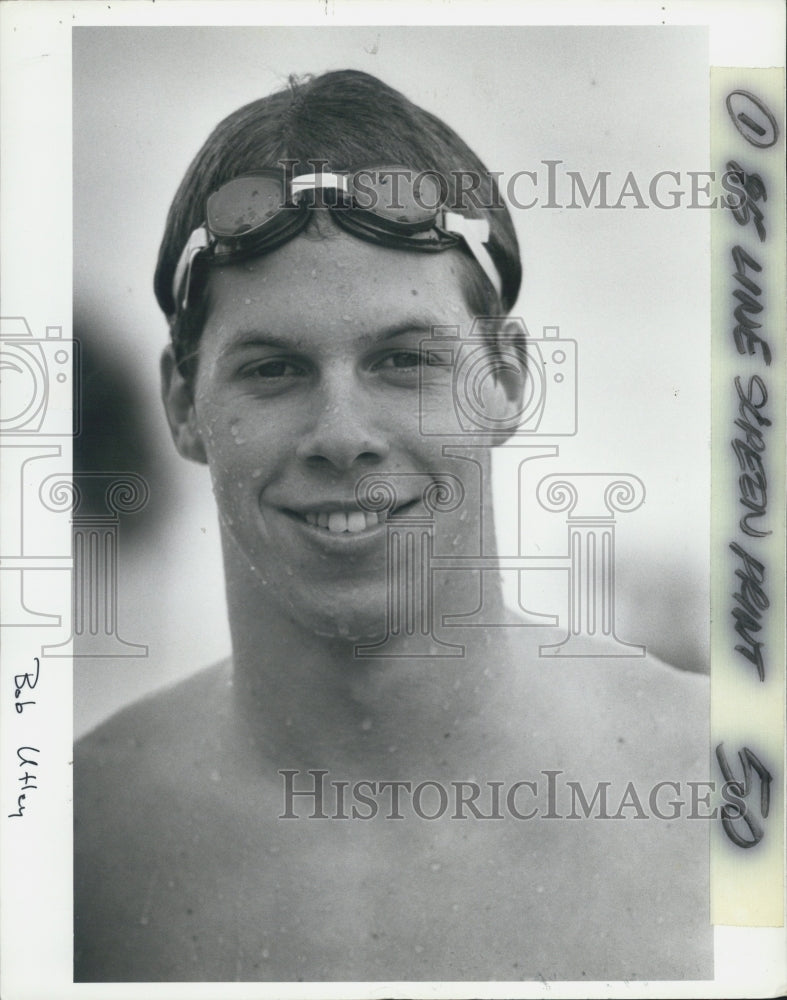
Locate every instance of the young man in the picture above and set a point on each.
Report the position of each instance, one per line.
(347, 799)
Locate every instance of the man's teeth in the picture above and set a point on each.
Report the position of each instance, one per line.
(337, 521)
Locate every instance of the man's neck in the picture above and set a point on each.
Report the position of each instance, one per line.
(308, 701)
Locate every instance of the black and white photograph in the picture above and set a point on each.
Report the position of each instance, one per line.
(386, 608)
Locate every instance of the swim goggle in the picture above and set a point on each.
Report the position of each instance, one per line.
(390, 206)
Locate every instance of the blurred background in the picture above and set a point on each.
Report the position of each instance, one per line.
(630, 286)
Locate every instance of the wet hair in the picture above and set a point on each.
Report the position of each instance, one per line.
(350, 120)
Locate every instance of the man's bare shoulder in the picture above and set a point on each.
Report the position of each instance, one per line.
(636, 707)
(145, 767)
(656, 713)
(173, 721)
(665, 690)
(145, 791)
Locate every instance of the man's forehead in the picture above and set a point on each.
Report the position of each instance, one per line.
(326, 251)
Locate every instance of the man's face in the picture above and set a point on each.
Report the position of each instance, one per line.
(308, 379)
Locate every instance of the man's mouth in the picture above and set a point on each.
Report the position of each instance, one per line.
(349, 521)
(337, 521)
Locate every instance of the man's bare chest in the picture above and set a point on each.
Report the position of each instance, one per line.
(417, 899)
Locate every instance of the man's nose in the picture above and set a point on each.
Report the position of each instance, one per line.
(344, 429)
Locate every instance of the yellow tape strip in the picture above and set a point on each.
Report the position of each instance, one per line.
(748, 502)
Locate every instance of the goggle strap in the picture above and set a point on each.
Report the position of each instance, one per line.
(309, 182)
(197, 242)
(475, 233)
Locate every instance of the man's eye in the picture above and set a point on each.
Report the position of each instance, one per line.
(274, 369)
(406, 359)
(401, 361)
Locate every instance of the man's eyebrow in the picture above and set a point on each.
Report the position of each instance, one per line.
(261, 338)
(415, 324)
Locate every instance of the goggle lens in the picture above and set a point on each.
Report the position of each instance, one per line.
(393, 194)
(244, 205)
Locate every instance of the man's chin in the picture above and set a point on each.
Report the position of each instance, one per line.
(350, 630)
(352, 620)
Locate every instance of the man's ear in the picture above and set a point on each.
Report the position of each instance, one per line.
(511, 372)
(178, 399)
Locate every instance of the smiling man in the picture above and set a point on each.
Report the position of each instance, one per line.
(305, 811)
